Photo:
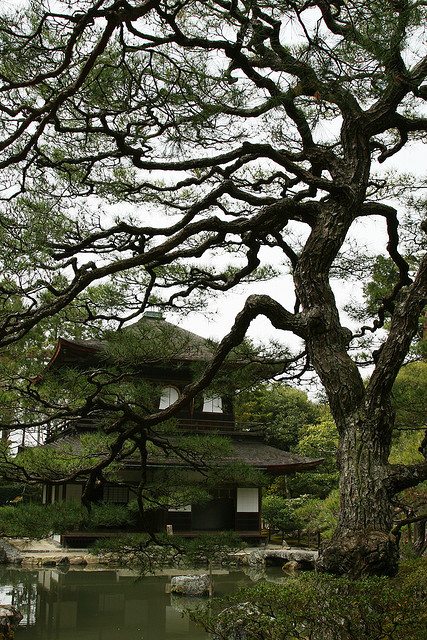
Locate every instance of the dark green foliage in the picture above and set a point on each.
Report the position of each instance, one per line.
(147, 551)
(110, 515)
(315, 483)
(140, 549)
(292, 422)
(410, 403)
(410, 396)
(236, 472)
(40, 521)
(211, 547)
(384, 288)
(123, 543)
(384, 276)
(279, 513)
(319, 515)
(280, 410)
(319, 607)
(306, 513)
(318, 440)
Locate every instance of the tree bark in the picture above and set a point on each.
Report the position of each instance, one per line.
(362, 543)
(420, 537)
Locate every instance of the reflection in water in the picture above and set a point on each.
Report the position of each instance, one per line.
(102, 605)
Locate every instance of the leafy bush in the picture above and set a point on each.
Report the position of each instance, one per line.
(63, 516)
(211, 546)
(320, 515)
(280, 513)
(24, 520)
(110, 515)
(41, 520)
(121, 544)
(143, 551)
(326, 608)
(147, 552)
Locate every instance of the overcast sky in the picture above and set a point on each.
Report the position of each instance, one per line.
(371, 233)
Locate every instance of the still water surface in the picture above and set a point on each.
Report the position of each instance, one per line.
(106, 604)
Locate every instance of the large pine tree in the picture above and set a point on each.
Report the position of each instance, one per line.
(250, 124)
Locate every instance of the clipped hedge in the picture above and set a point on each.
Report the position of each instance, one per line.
(41, 520)
(322, 607)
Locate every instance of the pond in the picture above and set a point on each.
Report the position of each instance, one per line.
(108, 604)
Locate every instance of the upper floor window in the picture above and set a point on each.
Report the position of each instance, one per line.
(118, 495)
(168, 397)
(212, 404)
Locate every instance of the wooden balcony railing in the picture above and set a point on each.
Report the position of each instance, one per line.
(222, 426)
(195, 425)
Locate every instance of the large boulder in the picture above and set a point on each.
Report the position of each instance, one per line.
(8, 553)
(291, 566)
(256, 573)
(191, 585)
(237, 622)
(256, 558)
(10, 617)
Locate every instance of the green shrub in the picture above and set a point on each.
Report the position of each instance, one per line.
(326, 608)
(121, 544)
(40, 520)
(24, 520)
(110, 515)
(140, 547)
(280, 513)
(64, 516)
(211, 547)
(164, 549)
(320, 515)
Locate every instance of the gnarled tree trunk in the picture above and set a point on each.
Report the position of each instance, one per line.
(362, 543)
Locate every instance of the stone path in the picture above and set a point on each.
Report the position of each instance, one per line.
(44, 553)
(36, 553)
(257, 556)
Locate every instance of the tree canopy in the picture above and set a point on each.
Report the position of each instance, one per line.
(280, 410)
(163, 150)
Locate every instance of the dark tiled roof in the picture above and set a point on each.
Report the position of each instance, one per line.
(259, 454)
(180, 342)
(157, 340)
(255, 454)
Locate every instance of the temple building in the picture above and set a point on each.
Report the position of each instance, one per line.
(167, 369)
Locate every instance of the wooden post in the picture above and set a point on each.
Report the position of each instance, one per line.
(210, 579)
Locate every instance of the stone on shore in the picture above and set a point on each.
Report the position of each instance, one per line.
(191, 585)
(10, 617)
(238, 622)
(291, 566)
